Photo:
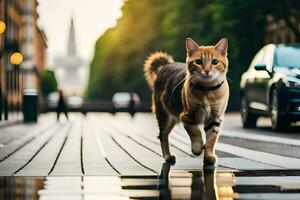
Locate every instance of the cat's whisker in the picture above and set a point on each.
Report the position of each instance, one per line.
(193, 104)
(195, 81)
(178, 84)
(229, 79)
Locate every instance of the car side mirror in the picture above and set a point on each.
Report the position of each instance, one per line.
(260, 67)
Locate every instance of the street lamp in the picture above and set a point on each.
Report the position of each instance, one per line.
(2, 30)
(2, 27)
(16, 58)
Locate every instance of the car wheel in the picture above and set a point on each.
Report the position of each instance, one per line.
(248, 119)
(279, 121)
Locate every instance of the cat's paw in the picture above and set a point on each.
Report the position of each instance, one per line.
(209, 168)
(197, 149)
(170, 159)
(210, 159)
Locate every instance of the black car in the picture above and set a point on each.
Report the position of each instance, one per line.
(271, 86)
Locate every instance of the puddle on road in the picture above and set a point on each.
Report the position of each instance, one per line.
(168, 185)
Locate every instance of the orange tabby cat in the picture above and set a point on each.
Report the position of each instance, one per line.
(195, 92)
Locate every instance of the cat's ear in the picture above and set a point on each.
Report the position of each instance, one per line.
(222, 46)
(191, 46)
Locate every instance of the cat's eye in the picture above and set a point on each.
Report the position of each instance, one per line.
(198, 62)
(214, 61)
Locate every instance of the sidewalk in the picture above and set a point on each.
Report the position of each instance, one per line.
(13, 120)
(102, 148)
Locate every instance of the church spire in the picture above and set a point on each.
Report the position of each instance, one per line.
(71, 41)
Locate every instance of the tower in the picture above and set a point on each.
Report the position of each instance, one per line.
(70, 67)
(71, 41)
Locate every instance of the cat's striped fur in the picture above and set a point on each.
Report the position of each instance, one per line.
(195, 92)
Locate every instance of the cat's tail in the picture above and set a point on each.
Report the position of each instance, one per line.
(154, 63)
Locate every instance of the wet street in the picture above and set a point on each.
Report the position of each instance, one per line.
(104, 156)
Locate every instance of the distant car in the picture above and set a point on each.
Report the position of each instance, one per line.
(52, 99)
(271, 86)
(74, 101)
(121, 99)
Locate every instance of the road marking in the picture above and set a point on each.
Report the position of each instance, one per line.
(48, 155)
(116, 155)
(270, 196)
(238, 163)
(268, 180)
(262, 157)
(20, 158)
(95, 165)
(69, 161)
(264, 138)
(253, 136)
(258, 156)
(245, 164)
(17, 144)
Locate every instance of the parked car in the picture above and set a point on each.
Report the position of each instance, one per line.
(52, 100)
(122, 99)
(271, 86)
(74, 102)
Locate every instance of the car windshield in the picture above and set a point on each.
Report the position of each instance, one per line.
(287, 56)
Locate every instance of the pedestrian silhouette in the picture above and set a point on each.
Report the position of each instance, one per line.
(61, 106)
(131, 105)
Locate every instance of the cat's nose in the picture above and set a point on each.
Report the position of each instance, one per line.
(206, 71)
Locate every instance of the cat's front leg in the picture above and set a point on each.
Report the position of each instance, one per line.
(213, 132)
(194, 132)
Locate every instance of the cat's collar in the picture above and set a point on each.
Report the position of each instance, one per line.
(207, 89)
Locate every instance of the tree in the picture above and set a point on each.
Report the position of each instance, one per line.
(152, 25)
(120, 52)
(48, 82)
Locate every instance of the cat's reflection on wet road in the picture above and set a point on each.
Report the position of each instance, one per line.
(193, 185)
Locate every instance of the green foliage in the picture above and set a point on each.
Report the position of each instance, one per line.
(151, 25)
(120, 52)
(48, 82)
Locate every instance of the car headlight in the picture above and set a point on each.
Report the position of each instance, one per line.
(293, 83)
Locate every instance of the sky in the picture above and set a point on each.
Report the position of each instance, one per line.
(92, 18)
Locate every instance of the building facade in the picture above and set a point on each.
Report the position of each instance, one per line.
(24, 36)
